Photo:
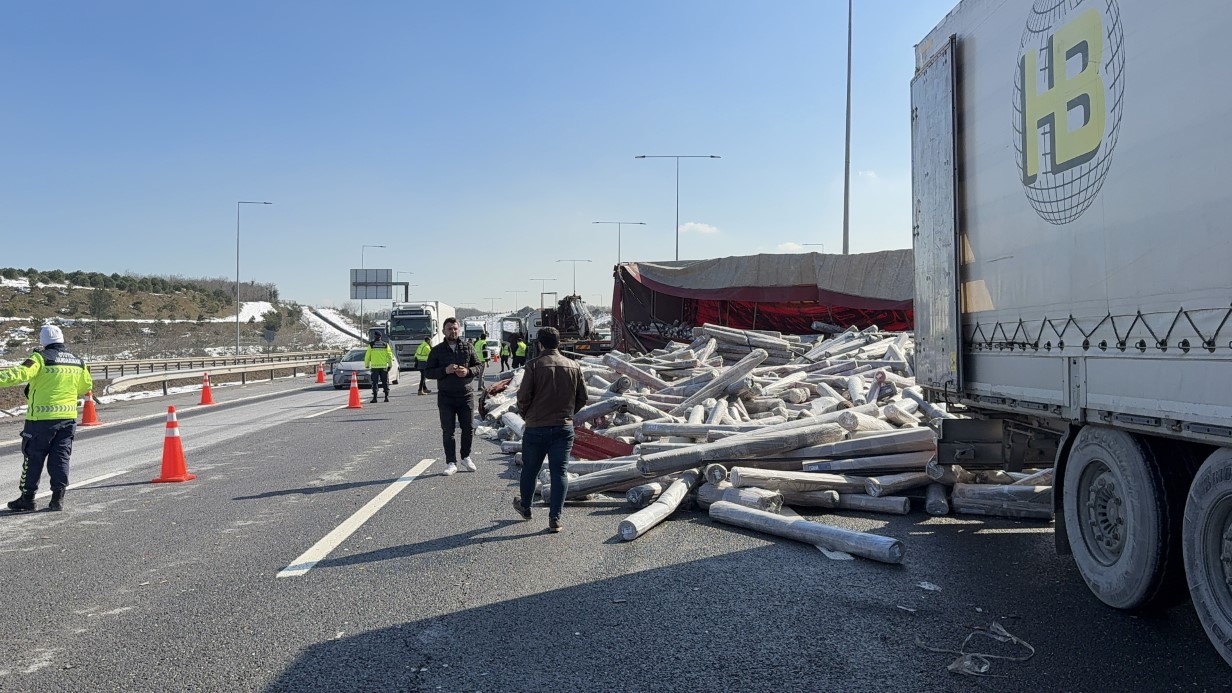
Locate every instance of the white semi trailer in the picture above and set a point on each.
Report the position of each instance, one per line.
(1071, 221)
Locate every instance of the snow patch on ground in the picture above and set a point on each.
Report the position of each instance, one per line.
(248, 310)
(24, 283)
(254, 309)
(327, 333)
(339, 318)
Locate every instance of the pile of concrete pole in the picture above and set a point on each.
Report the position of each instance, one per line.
(744, 423)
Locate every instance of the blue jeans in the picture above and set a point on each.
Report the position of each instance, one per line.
(554, 443)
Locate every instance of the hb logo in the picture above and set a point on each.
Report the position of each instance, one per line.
(1067, 103)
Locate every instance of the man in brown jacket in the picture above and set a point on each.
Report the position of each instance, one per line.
(552, 390)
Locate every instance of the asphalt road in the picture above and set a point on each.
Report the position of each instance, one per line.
(175, 587)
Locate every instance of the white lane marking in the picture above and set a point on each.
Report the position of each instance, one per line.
(87, 482)
(340, 406)
(322, 548)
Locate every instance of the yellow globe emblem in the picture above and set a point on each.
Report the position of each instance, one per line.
(1068, 97)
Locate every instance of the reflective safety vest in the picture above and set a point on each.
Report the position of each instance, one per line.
(421, 354)
(479, 351)
(57, 379)
(379, 355)
(521, 349)
(505, 350)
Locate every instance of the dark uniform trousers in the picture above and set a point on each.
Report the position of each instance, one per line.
(46, 443)
(379, 377)
(459, 410)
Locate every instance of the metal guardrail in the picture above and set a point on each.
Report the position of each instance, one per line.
(105, 369)
(124, 382)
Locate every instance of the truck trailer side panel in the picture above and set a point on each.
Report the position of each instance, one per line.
(1091, 259)
(1092, 209)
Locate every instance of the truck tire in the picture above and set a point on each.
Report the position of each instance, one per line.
(1206, 536)
(1123, 517)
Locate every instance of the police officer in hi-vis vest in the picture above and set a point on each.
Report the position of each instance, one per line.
(504, 356)
(481, 355)
(377, 359)
(519, 352)
(56, 379)
(421, 364)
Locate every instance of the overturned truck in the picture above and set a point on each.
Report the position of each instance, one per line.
(802, 293)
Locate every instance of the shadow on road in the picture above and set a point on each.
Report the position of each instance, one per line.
(443, 544)
(773, 618)
(309, 490)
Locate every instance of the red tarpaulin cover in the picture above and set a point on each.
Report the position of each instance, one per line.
(654, 302)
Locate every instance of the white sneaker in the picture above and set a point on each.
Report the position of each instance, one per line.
(468, 465)
(451, 469)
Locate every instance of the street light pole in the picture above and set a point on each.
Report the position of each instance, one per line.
(238, 304)
(542, 288)
(493, 299)
(406, 296)
(574, 272)
(847, 141)
(677, 157)
(619, 224)
(362, 334)
(515, 293)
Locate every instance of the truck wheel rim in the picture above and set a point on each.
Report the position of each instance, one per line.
(1217, 540)
(1103, 513)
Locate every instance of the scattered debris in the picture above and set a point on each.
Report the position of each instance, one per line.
(836, 555)
(754, 422)
(979, 664)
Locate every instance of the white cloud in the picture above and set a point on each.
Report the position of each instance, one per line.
(789, 248)
(697, 227)
(867, 174)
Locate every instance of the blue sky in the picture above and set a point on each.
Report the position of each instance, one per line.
(477, 140)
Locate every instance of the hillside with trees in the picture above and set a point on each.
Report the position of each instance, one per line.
(115, 316)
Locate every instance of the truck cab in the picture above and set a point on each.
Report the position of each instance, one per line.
(411, 323)
(473, 329)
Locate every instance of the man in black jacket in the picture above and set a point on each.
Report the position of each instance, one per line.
(453, 365)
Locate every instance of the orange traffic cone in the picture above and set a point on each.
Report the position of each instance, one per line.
(174, 466)
(207, 397)
(89, 417)
(320, 372)
(495, 358)
(354, 403)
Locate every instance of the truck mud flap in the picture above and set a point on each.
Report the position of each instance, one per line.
(1060, 534)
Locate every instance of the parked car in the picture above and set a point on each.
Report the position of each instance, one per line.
(353, 362)
(492, 346)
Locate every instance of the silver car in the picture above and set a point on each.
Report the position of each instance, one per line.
(353, 362)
